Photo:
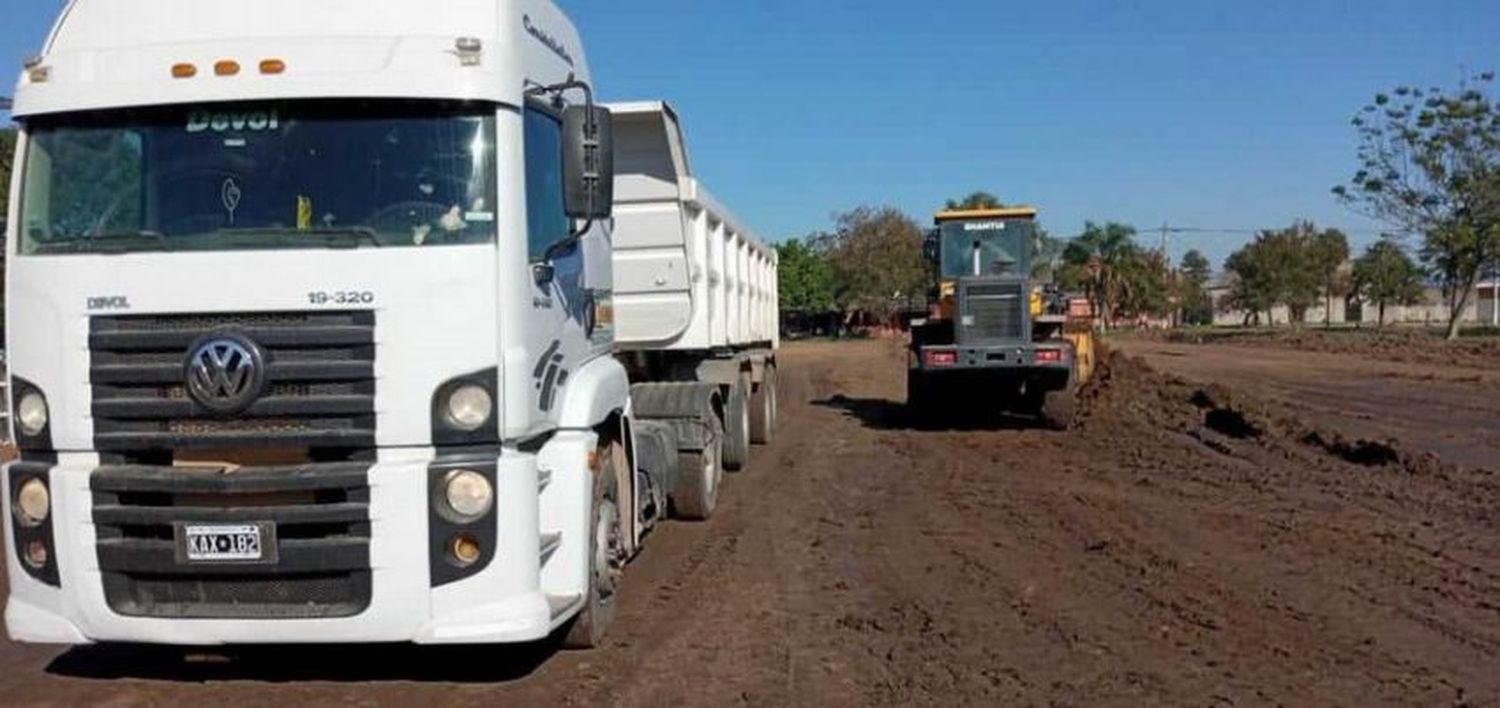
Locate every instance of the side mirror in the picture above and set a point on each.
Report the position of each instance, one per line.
(588, 162)
(930, 246)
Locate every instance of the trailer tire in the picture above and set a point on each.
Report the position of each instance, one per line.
(696, 493)
(737, 426)
(763, 408)
(606, 559)
(1059, 408)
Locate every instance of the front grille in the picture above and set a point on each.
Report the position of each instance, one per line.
(321, 517)
(993, 311)
(320, 390)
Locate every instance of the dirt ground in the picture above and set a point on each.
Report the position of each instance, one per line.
(1187, 545)
(1427, 395)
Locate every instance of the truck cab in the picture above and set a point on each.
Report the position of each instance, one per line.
(993, 330)
(311, 331)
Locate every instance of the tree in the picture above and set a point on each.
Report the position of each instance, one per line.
(1385, 275)
(1097, 262)
(1330, 250)
(1147, 284)
(1430, 164)
(805, 280)
(1293, 266)
(875, 257)
(1197, 306)
(1047, 251)
(976, 200)
(7, 154)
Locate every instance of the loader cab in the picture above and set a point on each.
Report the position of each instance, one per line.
(984, 247)
(983, 263)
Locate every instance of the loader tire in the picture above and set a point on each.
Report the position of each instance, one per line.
(919, 394)
(1059, 408)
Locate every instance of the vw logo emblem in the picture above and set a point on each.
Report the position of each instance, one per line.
(225, 373)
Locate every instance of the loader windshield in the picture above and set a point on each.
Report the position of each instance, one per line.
(260, 175)
(986, 248)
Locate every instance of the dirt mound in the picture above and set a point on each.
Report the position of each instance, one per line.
(1127, 391)
(1415, 346)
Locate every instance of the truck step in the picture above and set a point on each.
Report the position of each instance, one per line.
(550, 543)
(561, 604)
(543, 480)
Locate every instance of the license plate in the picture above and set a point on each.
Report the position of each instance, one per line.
(226, 543)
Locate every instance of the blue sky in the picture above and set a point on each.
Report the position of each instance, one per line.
(1228, 115)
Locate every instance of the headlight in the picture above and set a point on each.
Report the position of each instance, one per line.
(33, 503)
(468, 494)
(469, 407)
(31, 414)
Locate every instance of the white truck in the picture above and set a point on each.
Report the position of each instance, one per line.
(357, 321)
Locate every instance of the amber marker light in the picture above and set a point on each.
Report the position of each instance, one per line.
(226, 67)
(272, 66)
(184, 71)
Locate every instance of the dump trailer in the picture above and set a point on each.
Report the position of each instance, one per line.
(352, 321)
(996, 339)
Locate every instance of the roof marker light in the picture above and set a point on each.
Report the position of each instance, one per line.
(226, 67)
(184, 71)
(272, 66)
(35, 72)
(469, 49)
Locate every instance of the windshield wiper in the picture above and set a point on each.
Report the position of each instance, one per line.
(352, 236)
(111, 242)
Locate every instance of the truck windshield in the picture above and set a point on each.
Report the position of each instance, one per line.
(296, 174)
(986, 248)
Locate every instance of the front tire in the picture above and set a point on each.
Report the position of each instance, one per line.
(606, 559)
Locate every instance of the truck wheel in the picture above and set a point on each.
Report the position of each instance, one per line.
(698, 476)
(606, 560)
(737, 426)
(1059, 408)
(763, 408)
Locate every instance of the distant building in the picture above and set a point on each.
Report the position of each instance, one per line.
(1432, 311)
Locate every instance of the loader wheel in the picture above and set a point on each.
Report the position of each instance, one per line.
(606, 560)
(698, 476)
(737, 426)
(918, 393)
(763, 408)
(1059, 408)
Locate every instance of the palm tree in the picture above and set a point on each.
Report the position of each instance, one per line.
(1099, 259)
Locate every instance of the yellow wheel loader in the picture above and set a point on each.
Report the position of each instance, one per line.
(995, 336)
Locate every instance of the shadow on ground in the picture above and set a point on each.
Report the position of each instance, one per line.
(885, 414)
(358, 663)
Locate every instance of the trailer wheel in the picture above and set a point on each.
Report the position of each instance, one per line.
(1059, 408)
(606, 559)
(698, 476)
(763, 408)
(737, 426)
